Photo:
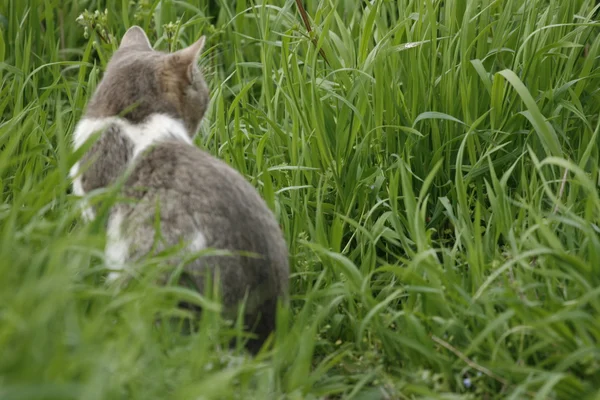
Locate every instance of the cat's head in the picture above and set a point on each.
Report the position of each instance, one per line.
(140, 81)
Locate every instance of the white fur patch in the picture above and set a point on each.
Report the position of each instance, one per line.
(117, 247)
(198, 242)
(156, 128)
(86, 210)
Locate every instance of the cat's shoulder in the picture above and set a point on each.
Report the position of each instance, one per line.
(155, 128)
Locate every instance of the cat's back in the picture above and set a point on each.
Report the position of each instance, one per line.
(193, 185)
(182, 167)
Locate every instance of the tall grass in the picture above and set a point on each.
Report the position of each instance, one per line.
(434, 165)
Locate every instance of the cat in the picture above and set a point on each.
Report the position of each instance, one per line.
(148, 107)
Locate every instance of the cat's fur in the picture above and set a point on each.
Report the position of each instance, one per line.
(148, 106)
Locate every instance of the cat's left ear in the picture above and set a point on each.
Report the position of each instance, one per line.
(136, 37)
(189, 56)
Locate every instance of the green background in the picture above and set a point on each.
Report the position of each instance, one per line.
(434, 168)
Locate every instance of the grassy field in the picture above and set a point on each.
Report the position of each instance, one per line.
(434, 165)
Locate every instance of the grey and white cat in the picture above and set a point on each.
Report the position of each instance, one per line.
(149, 105)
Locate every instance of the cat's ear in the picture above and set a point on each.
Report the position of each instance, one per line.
(136, 37)
(189, 56)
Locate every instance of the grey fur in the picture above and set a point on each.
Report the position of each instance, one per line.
(139, 82)
(194, 191)
(106, 160)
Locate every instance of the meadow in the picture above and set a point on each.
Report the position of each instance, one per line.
(434, 165)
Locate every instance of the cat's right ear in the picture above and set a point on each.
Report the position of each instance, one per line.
(136, 37)
(189, 56)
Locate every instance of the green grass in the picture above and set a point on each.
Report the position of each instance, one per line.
(437, 180)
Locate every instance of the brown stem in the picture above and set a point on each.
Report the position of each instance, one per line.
(306, 21)
(473, 364)
(468, 361)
